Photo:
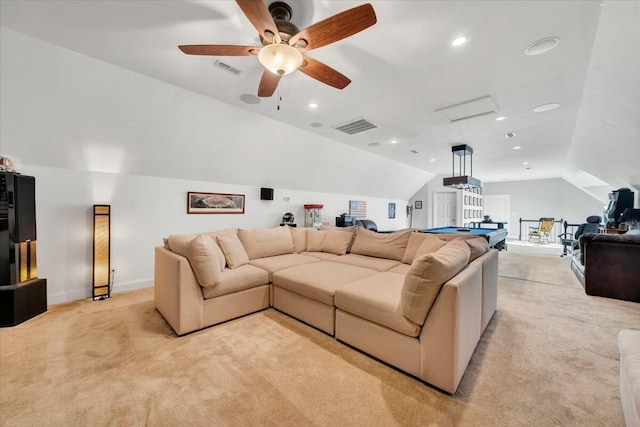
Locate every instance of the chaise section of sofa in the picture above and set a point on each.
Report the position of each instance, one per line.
(416, 301)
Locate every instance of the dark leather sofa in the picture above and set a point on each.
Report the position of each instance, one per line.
(608, 265)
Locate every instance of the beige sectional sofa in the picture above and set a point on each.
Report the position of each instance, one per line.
(419, 302)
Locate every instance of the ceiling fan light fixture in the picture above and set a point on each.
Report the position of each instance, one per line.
(280, 59)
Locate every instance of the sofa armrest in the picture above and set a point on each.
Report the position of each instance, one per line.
(177, 294)
(452, 329)
(489, 263)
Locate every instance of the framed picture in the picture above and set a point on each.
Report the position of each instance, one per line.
(215, 203)
(392, 210)
(418, 204)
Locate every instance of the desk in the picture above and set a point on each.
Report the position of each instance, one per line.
(479, 224)
(495, 237)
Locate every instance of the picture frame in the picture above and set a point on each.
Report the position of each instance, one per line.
(392, 210)
(418, 204)
(215, 203)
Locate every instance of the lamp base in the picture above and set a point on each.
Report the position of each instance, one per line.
(22, 301)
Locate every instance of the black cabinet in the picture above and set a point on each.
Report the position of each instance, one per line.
(22, 294)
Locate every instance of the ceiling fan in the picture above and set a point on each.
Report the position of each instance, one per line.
(283, 43)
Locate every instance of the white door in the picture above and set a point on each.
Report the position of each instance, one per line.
(445, 207)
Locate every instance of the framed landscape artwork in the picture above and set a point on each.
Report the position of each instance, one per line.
(215, 203)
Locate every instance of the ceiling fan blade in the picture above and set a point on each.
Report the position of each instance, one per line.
(219, 50)
(261, 19)
(268, 84)
(336, 27)
(323, 73)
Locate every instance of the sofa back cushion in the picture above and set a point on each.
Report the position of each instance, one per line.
(478, 247)
(315, 239)
(264, 242)
(233, 251)
(179, 243)
(381, 245)
(299, 237)
(426, 277)
(337, 241)
(202, 253)
(429, 245)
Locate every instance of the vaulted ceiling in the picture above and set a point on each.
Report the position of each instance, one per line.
(403, 69)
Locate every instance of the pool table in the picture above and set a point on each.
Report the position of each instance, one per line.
(496, 237)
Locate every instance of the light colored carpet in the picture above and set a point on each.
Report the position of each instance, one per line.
(548, 358)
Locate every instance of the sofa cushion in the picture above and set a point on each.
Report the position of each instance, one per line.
(236, 280)
(319, 281)
(378, 264)
(233, 251)
(264, 242)
(352, 229)
(299, 237)
(179, 243)
(381, 245)
(401, 269)
(429, 245)
(415, 240)
(337, 242)
(315, 239)
(377, 299)
(233, 231)
(427, 275)
(275, 263)
(478, 247)
(324, 256)
(202, 255)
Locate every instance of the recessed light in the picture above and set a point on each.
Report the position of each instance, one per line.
(393, 141)
(313, 105)
(414, 151)
(499, 119)
(546, 107)
(374, 144)
(510, 134)
(525, 163)
(541, 46)
(517, 147)
(459, 41)
(432, 160)
(316, 125)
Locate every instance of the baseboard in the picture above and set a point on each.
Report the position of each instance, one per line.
(79, 294)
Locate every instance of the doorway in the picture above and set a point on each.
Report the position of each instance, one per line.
(445, 208)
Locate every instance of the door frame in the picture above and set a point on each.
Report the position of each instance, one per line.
(434, 212)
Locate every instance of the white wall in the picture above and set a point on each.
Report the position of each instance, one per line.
(92, 133)
(554, 198)
(145, 209)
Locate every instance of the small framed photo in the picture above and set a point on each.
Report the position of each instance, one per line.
(418, 204)
(392, 210)
(215, 203)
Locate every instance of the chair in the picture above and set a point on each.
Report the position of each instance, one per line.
(571, 240)
(540, 234)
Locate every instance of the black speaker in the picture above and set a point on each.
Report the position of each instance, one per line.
(266, 194)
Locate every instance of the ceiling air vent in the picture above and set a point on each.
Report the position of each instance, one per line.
(226, 67)
(469, 109)
(356, 126)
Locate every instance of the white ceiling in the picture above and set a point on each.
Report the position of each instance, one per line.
(403, 68)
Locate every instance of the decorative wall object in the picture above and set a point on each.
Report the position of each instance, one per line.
(214, 203)
(357, 208)
(101, 251)
(392, 210)
(418, 204)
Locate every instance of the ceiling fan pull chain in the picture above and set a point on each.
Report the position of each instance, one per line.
(279, 99)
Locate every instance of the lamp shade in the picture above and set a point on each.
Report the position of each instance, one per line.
(280, 59)
(101, 251)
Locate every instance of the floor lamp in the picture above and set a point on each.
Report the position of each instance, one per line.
(101, 251)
